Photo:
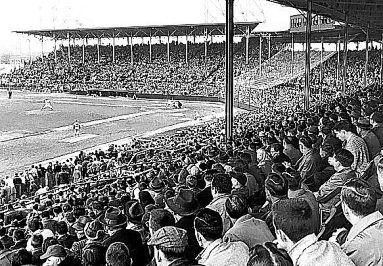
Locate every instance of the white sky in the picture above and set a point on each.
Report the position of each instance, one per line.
(48, 14)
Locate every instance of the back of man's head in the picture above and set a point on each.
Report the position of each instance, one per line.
(359, 197)
(342, 125)
(236, 206)
(160, 218)
(345, 157)
(209, 224)
(276, 185)
(118, 255)
(222, 183)
(294, 218)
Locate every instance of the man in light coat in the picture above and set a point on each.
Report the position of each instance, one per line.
(364, 241)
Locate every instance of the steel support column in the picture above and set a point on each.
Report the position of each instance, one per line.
(113, 49)
(345, 50)
(308, 55)
(229, 70)
(83, 51)
(29, 49)
(42, 48)
(321, 70)
(247, 44)
(186, 50)
(260, 55)
(269, 48)
(205, 44)
(150, 47)
(131, 50)
(366, 62)
(98, 49)
(338, 61)
(381, 62)
(55, 48)
(168, 47)
(68, 36)
(292, 53)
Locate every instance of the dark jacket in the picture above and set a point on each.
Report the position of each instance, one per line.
(308, 164)
(19, 244)
(204, 197)
(187, 223)
(133, 241)
(67, 240)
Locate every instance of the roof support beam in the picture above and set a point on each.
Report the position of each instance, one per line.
(345, 50)
(381, 62)
(307, 94)
(229, 102)
(68, 37)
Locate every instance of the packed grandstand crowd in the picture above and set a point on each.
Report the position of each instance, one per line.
(293, 187)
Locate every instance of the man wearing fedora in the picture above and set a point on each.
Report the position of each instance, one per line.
(184, 206)
(115, 223)
(363, 127)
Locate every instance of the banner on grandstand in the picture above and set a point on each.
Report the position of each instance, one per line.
(298, 23)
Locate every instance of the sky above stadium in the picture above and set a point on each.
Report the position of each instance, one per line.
(56, 14)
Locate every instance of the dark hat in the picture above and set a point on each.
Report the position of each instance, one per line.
(54, 251)
(156, 184)
(240, 177)
(313, 130)
(81, 222)
(113, 218)
(183, 203)
(92, 230)
(169, 237)
(135, 213)
(363, 123)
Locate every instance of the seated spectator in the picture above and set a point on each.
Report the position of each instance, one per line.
(376, 120)
(295, 230)
(204, 197)
(342, 161)
(94, 251)
(208, 229)
(363, 127)
(353, 143)
(310, 161)
(37, 248)
(170, 244)
(245, 228)
(364, 240)
(63, 237)
(55, 255)
(160, 218)
(276, 151)
(19, 239)
(118, 255)
(239, 181)
(221, 187)
(115, 223)
(291, 148)
(268, 254)
(22, 257)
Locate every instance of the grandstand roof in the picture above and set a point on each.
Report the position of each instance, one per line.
(360, 12)
(142, 31)
(329, 36)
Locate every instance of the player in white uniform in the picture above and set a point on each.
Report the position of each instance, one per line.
(76, 128)
(47, 105)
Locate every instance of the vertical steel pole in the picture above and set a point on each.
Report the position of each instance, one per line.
(150, 47)
(366, 62)
(42, 48)
(55, 48)
(381, 62)
(205, 44)
(131, 50)
(29, 48)
(229, 69)
(247, 44)
(338, 61)
(113, 49)
(308, 55)
(168, 47)
(83, 51)
(321, 70)
(98, 49)
(269, 42)
(186, 50)
(260, 55)
(345, 50)
(292, 53)
(68, 36)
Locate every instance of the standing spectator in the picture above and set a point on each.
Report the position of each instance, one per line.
(364, 131)
(294, 228)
